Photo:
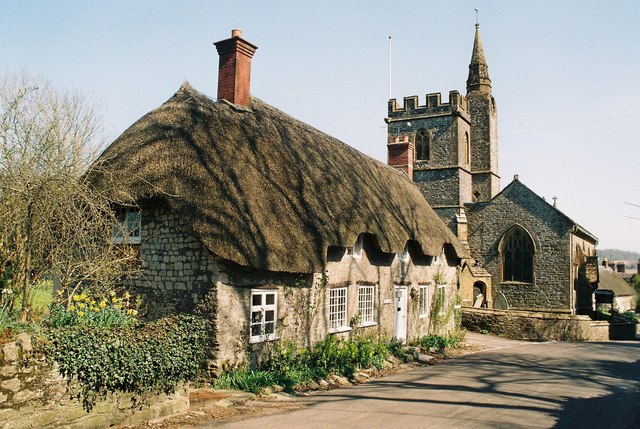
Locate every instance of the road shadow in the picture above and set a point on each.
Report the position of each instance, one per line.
(567, 385)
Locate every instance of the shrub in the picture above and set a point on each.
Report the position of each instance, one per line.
(430, 341)
(245, 379)
(155, 357)
(629, 316)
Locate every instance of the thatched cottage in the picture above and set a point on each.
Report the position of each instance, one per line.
(272, 228)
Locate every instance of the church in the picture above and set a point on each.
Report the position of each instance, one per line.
(526, 254)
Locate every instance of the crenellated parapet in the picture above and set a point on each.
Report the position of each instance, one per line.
(434, 106)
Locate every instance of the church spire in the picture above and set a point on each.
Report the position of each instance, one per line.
(478, 79)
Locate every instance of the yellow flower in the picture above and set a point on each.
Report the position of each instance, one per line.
(127, 296)
(114, 299)
(81, 305)
(96, 310)
(112, 293)
(80, 313)
(76, 298)
(134, 312)
(72, 308)
(93, 302)
(60, 292)
(82, 296)
(102, 304)
(87, 299)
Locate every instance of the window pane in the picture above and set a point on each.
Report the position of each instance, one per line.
(269, 328)
(270, 298)
(255, 330)
(256, 299)
(256, 316)
(269, 316)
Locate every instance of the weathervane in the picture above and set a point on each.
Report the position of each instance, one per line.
(477, 22)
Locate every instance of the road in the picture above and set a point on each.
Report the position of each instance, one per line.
(509, 385)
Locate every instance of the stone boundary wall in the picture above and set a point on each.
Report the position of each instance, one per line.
(528, 325)
(34, 395)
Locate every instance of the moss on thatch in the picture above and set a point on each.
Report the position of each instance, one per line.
(263, 189)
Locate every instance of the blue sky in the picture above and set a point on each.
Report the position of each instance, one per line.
(566, 75)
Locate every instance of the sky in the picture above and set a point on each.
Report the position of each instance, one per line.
(565, 75)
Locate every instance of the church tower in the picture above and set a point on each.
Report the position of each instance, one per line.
(484, 126)
(449, 149)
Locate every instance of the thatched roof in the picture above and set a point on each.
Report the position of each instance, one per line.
(263, 189)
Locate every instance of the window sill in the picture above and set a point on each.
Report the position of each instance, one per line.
(423, 316)
(367, 324)
(340, 330)
(513, 283)
(262, 339)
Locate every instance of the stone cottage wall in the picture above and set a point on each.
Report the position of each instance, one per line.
(177, 270)
(550, 231)
(34, 395)
(232, 324)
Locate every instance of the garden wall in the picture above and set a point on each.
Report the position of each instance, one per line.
(529, 325)
(34, 395)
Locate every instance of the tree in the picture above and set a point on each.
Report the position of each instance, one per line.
(53, 224)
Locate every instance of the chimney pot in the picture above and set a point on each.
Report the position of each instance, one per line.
(236, 33)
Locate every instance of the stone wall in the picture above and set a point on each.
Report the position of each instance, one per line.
(551, 233)
(382, 271)
(544, 326)
(34, 395)
(177, 270)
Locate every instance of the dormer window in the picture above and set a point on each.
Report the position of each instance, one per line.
(423, 143)
(404, 255)
(128, 226)
(355, 251)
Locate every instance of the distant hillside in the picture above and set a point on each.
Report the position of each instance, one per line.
(620, 255)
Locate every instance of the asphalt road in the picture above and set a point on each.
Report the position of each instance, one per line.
(509, 385)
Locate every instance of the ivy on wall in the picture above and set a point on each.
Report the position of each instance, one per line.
(154, 357)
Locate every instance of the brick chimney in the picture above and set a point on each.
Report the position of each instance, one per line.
(234, 71)
(400, 153)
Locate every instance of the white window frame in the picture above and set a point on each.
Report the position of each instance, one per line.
(261, 310)
(424, 301)
(338, 309)
(128, 228)
(355, 251)
(366, 305)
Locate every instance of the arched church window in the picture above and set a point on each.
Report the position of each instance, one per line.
(517, 256)
(422, 145)
(467, 149)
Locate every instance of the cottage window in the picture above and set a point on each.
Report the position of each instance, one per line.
(263, 315)
(423, 145)
(517, 256)
(337, 309)
(404, 256)
(128, 226)
(365, 304)
(425, 301)
(356, 250)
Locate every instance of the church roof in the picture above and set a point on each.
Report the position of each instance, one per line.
(516, 186)
(262, 189)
